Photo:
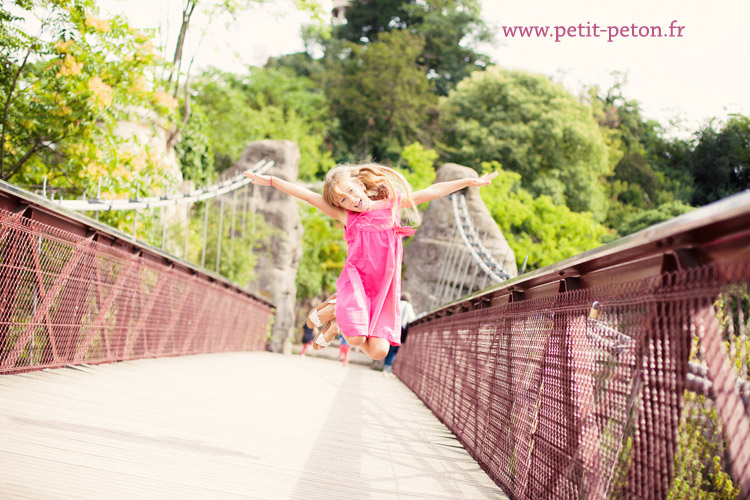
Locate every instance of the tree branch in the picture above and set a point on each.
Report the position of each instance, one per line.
(177, 59)
(22, 160)
(7, 107)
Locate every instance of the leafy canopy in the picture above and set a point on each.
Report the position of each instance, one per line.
(451, 29)
(266, 104)
(323, 256)
(380, 96)
(534, 225)
(533, 127)
(66, 85)
(650, 172)
(720, 162)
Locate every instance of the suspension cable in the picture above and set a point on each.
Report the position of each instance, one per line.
(233, 184)
(470, 237)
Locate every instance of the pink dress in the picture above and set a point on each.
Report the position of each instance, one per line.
(369, 287)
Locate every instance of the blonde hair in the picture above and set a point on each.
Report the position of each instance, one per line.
(380, 183)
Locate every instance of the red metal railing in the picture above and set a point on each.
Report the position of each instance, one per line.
(621, 373)
(73, 291)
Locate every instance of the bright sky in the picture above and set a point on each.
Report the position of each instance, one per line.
(690, 79)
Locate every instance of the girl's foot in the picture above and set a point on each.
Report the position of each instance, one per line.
(323, 313)
(326, 335)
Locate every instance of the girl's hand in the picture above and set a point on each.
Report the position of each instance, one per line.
(261, 180)
(485, 180)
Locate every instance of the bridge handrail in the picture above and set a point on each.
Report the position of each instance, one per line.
(35, 207)
(75, 291)
(623, 372)
(695, 229)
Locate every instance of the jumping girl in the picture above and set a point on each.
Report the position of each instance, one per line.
(367, 199)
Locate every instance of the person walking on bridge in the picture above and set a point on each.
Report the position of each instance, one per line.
(407, 316)
(368, 199)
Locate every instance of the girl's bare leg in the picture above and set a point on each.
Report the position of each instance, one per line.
(374, 347)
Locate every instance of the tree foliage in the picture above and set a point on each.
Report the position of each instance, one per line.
(366, 20)
(533, 127)
(642, 219)
(419, 165)
(651, 175)
(194, 150)
(534, 225)
(720, 162)
(218, 10)
(66, 88)
(380, 96)
(451, 30)
(237, 253)
(323, 256)
(266, 104)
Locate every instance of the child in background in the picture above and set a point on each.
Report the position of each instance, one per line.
(407, 316)
(344, 351)
(307, 337)
(368, 200)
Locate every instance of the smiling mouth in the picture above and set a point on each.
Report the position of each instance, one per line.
(358, 205)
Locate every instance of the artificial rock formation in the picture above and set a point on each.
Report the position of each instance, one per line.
(278, 260)
(425, 255)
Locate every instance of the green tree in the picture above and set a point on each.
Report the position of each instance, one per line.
(651, 170)
(419, 165)
(366, 20)
(239, 250)
(324, 252)
(533, 127)
(643, 219)
(534, 225)
(452, 29)
(266, 104)
(301, 64)
(217, 10)
(64, 90)
(720, 162)
(643, 182)
(381, 96)
(194, 150)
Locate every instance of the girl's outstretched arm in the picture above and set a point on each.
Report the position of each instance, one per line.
(300, 192)
(445, 188)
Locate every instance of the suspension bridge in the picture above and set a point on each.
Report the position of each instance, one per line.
(618, 373)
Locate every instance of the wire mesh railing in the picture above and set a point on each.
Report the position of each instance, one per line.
(622, 373)
(73, 291)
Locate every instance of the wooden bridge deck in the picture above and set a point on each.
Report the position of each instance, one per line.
(226, 426)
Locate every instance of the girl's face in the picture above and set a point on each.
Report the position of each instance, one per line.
(352, 196)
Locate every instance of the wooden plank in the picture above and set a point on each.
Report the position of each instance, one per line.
(226, 426)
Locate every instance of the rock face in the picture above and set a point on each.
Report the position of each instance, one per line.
(425, 256)
(277, 263)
